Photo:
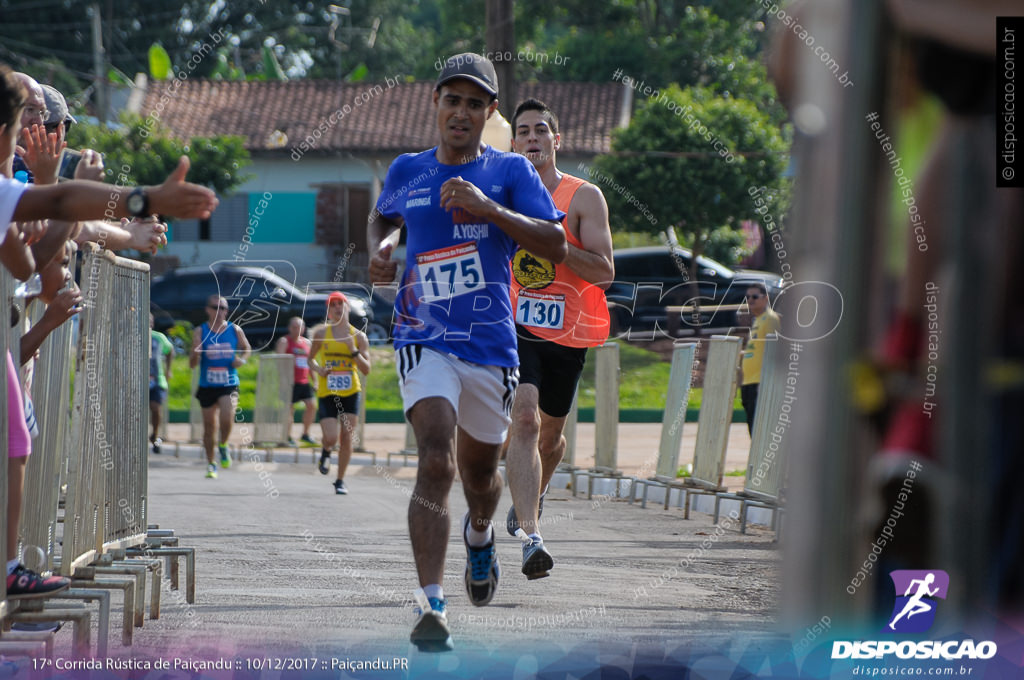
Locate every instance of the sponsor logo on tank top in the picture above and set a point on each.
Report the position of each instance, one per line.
(532, 271)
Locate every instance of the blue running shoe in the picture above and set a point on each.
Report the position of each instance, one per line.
(482, 570)
(431, 634)
(537, 561)
(512, 522)
(225, 460)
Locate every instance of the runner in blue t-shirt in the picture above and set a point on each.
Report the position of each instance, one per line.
(466, 207)
(219, 347)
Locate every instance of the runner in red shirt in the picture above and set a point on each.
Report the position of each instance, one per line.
(297, 344)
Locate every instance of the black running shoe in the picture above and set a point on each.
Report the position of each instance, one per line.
(24, 584)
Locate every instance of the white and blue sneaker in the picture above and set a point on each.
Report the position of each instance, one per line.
(482, 570)
(512, 521)
(431, 634)
(537, 561)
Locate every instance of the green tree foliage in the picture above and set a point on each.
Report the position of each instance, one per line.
(670, 159)
(663, 43)
(712, 43)
(136, 153)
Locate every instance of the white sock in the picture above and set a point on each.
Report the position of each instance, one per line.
(535, 537)
(434, 590)
(478, 539)
(11, 566)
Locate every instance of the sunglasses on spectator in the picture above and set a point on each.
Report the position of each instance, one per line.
(754, 297)
(217, 307)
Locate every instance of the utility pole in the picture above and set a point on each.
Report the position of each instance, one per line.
(98, 61)
(501, 40)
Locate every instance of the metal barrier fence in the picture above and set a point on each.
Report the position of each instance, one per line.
(606, 421)
(195, 412)
(108, 466)
(716, 412)
(606, 409)
(6, 296)
(765, 463)
(52, 383)
(676, 401)
(272, 414)
(672, 421)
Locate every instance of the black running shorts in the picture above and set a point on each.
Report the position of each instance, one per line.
(209, 396)
(554, 369)
(333, 406)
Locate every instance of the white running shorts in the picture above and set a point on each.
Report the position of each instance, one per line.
(481, 395)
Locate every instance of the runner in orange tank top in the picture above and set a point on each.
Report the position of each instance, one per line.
(560, 312)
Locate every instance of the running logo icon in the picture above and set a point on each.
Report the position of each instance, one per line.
(916, 594)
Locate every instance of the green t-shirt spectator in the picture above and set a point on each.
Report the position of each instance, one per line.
(159, 347)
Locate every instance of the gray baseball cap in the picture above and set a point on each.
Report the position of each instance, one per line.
(472, 67)
(56, 106)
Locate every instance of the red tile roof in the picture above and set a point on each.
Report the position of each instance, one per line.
(399, 119)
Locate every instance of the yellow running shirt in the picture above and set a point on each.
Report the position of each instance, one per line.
(342, 377)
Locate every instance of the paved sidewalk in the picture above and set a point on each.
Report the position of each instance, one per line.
(637, 452)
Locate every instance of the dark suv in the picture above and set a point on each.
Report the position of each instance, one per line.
(651, 287)
(262, 297)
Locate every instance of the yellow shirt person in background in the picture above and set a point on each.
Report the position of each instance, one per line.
(338, 355)
(765, 321)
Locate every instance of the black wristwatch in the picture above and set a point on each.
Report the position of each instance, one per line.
(138, 203)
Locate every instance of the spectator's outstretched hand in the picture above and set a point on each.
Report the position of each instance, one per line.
(178, 198)
(148, 234)
(90, 167)
(42, 152)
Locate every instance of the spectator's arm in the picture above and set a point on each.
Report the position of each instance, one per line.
(15, 255)
(146, 235)
(84, 200)
(63, 307)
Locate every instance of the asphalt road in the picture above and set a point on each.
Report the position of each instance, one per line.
(288, 570)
